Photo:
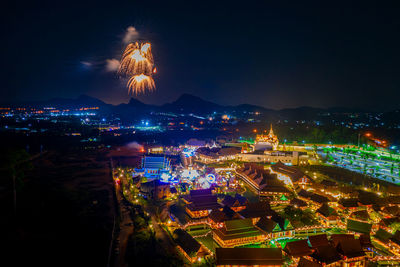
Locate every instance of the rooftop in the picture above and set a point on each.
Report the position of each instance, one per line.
(298, 248)
(235, 229)
(186, 241)
(358, 226)
(249, 256)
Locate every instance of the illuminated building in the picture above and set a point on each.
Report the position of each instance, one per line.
(262, 181)
(216, 154)
(388, 240)
(200, 203)
(287, 157)
(155, 189)
(348, 203)
(327, 255)
(328, 215)
(266, 142)
(298, 203)
(274, 230)
(361, 215)
(318, 240)
(153, 167)
(237, 233)
(298, 248)
(193, 194)
(341, 250)
(194, 143)
(253, 257)
(312, 198)
(265, 149)
(188, 246)
(156, 150)
(358, 227)
(217, 218)
(256, 210)
(290, 175)
(352, 253)
(187, 156)
(236, 203)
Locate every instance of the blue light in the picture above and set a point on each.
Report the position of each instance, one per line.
(210, 178)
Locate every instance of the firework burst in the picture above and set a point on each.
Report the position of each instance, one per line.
(137, 63)
(140, 83)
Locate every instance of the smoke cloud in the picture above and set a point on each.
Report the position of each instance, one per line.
(134, 145)
(131, 35)
(87, 63)
(112, 65)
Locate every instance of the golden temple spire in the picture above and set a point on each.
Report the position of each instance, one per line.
(271, 131)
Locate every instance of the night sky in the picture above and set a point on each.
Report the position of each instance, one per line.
(276, 54)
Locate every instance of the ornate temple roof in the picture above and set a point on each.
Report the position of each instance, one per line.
(269, 138)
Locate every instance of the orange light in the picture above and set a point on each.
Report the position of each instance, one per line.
(255, 130)
(368, 134)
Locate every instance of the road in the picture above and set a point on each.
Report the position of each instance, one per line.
(125, 227)
(160, 233)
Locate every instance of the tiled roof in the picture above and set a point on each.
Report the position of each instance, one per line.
(326, 211)
(382, 235)
(224, 215)
(319, 198)
(249, 256)
(298, 202)
(294, 173)
(361, 215)
(298, 248)
(257, 210)
(336, 238)
(350, 248)
(392, 210)
(358, 227)
(349, 202)
(204, 203)
(186, 242)
(235, 229)
(365, 241)
(303, 262)
(267, 225)
(326, 254)
(318, 240)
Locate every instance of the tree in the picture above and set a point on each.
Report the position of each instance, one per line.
(15, 163)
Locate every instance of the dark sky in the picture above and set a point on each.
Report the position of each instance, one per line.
(271, 53)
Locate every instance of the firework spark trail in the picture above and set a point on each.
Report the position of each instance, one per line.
(146, 51)
(139, 83)
(134, 62)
